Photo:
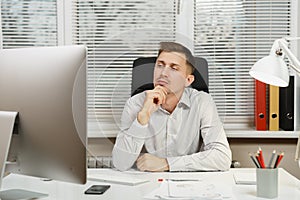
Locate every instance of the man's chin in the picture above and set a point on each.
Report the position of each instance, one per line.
(164, 86)
(160, 84)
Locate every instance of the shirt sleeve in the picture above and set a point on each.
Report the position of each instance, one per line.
(130, 139)
(215, 153)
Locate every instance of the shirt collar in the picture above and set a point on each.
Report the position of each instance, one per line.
(185, 100)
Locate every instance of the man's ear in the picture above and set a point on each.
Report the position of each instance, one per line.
(189, 80)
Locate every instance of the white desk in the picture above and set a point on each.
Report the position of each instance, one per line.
(289, 186)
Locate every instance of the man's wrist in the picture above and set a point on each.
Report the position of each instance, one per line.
(166, 168)
(143, 117)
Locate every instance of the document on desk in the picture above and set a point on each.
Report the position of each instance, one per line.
(245, 178)
(185, 190)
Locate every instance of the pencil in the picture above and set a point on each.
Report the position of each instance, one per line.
(279, 158)
(258, 160)
(253, 159)
(272, 158)
(261, 158)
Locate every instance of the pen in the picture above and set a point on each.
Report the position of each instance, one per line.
(272, 158)
(255, 161)
(183, 180)
(279, 158)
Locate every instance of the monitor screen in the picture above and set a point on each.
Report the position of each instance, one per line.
(47, 87)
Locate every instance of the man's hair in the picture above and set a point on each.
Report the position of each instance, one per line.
(176, 47)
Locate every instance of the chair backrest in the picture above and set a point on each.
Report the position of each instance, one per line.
(142, 74)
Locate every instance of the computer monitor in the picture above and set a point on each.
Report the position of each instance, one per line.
(47, 87)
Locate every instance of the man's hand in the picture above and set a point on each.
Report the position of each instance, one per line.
(154, 98)
(148, 162)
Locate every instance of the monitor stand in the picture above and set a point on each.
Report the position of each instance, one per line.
(7, 122)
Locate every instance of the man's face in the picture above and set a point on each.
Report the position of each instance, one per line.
(171, 72)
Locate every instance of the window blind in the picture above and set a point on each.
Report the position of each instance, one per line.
(28, 23)
(232, 35)
(116, 32)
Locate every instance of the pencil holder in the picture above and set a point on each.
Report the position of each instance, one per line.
(267, 182)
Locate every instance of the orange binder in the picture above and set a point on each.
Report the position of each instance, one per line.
(274, 108)
(260, 106)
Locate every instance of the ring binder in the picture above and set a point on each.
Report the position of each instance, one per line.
(260, 106)
(274, 108)
(286, 106)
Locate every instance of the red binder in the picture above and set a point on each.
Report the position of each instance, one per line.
(260, 106)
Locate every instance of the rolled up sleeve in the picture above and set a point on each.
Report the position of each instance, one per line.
(130, 139)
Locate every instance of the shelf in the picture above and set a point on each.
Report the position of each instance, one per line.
(229, 133)
(261, 134)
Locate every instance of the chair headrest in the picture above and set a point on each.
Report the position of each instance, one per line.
(142, 74)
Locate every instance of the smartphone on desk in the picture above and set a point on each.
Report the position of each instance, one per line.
(97, 189)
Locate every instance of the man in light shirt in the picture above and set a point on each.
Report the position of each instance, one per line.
(177, 126)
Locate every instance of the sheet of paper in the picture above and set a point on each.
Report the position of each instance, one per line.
(245, 178)
(189, 190)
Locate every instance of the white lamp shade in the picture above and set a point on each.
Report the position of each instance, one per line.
(271, 70)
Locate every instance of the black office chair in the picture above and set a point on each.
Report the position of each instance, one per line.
(142, 75)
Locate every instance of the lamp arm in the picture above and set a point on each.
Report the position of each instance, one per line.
(290, 55)
(295, 68)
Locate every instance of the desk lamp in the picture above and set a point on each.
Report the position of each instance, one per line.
(273, 70)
